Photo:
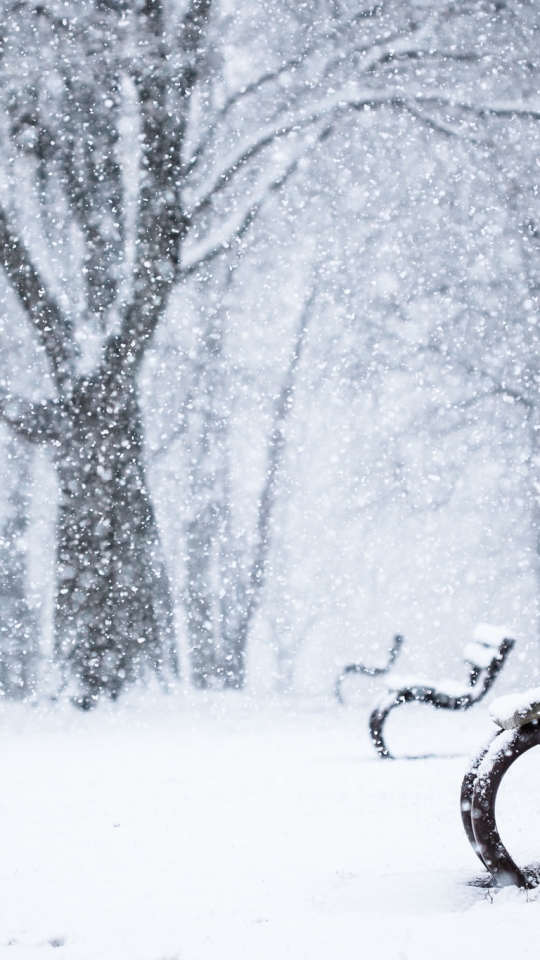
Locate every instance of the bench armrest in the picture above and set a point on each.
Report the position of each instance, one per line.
(516, 709)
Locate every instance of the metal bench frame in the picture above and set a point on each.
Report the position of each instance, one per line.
(478, 796)
(393, 654)
(480, 681)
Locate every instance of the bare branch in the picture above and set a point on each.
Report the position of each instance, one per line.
(350, 97)
(447, 129)
(53, 328)
(247, 219)
(214, 252)
(224, 178)
(161, 226)
(494, 108)
(282, 410)
(492, 388)
(393, 47)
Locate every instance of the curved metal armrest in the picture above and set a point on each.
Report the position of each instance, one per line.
(418, 693)
(478, 796)
(369, 671)
(516, 710)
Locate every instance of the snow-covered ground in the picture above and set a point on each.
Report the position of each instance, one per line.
(218, 829)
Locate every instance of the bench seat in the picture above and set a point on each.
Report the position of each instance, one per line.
(452, 688)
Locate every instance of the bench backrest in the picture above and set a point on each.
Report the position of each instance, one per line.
(485, 656)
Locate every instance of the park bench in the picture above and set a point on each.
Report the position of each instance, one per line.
(518, 719)
(369, 671)
(484, 657)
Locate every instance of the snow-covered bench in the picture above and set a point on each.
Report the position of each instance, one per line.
(518, 717)
(397, 643)
(484, 656)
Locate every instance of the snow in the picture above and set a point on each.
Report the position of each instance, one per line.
(490, 634)
(516, 709)
(479, 654)
(205, 829)
(308, 245)
(453, 688)
(498, 747)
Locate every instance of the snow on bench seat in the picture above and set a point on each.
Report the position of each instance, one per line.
(516, 709)
(480, 654)
(490, 635)
(453, 688)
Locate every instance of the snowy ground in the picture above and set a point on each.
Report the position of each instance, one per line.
(221, 831)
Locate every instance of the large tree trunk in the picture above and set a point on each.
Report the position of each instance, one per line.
(113, 609)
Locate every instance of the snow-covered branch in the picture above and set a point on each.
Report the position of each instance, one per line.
(161, 225)
(240, 161)
(290, 66)
(395, 46)
(276, 443)
(440, 126)
(51, 324)
(206, 252)
(293, 122)
(494, 108)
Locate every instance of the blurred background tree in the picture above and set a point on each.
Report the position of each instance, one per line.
(178, 180)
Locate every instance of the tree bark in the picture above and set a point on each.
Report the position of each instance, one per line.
(68, 82)
(113, 610)
(19, 630)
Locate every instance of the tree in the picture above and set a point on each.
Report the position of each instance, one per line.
(491, 345)
(136, 153)
(71, 77)
(223, 593)
(225, 581)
